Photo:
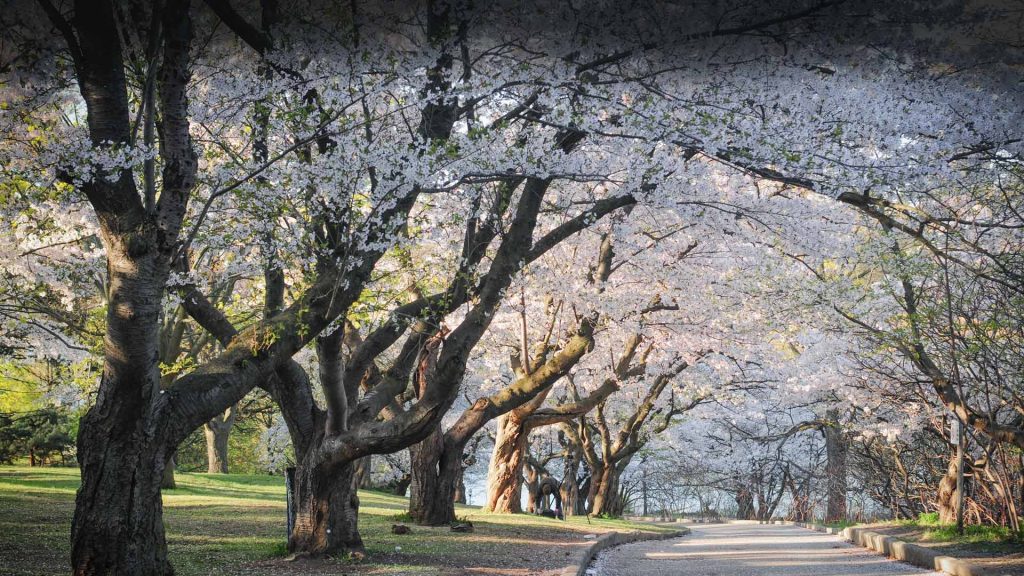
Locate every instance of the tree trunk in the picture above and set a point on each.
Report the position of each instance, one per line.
(402, 485)
(605, 492)
(947, 494)
(218, 432)
(216, 448)
(327, 507)
(504, 473)
(460, 488)
(570, 488)
(745, 504)
(118, 525)
(423, 490)
(801, 509)
(436, 472)
(531, 480)
(836, 450)
(168, 482)
(583, 505)
(363, 475)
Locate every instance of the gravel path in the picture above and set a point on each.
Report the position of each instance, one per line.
(742, 549)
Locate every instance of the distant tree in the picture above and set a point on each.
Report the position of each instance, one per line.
(37, 435)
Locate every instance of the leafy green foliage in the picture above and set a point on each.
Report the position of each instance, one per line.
(37, 435)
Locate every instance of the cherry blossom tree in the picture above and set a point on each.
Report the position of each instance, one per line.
(329, 150)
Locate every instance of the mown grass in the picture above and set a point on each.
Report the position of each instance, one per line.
(977, 534)
(235, 524)
(840, 525)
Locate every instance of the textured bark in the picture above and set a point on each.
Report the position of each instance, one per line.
(436, 475)
(218, 432)
(504, 475)
(117, 526)
(327, 507)
(117, 530)
(505, 471)
(946, 501)
(437, 462)
(836, 450)
(423, 460)
(123, 442)
(604, 490)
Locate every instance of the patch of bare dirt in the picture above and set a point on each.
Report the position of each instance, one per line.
(491, 549)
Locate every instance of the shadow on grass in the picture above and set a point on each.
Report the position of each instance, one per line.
(235, 525)
(48, 480)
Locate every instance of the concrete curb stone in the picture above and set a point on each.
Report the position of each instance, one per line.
(897, 549)
(615, 539)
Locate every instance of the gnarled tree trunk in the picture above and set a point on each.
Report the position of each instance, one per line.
(118, 523)
(327, 508)
(436, 474)
(440, 461)
(946, 502)
(745, 504)
(505, 472)
(218, 432)
(604, 492)
(570, 488)
(123, 446)
(118, 526)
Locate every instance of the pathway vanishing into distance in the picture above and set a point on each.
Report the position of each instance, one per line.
(742, 549)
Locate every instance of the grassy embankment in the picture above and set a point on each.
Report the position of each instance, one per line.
(235, 524)
(927, 528)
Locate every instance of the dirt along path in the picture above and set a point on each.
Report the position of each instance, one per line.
(742, 549)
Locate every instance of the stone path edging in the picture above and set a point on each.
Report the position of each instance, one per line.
(897, 549)
(615, 539)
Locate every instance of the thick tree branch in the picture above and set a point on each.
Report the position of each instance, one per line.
(522, 390)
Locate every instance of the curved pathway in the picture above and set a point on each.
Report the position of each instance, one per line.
(748, 549)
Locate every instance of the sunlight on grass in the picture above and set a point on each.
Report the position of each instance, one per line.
(935, 531)
(230, 524)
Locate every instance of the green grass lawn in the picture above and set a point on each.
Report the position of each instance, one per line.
(840, 524)
(981, 537)
(994, 548)
(235, 524)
